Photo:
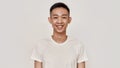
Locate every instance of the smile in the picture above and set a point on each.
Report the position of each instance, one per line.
(59, 26)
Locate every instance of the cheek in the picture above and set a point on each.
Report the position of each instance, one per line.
(65, 21)
(54, 21)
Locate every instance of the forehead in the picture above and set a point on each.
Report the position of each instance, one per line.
(59, 11)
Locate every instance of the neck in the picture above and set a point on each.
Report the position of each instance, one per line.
(59, 38)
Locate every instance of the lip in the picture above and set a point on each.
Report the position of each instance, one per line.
(59, 27)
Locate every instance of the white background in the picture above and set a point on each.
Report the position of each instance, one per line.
(95, 22)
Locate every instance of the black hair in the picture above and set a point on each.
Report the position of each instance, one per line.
(58, 5)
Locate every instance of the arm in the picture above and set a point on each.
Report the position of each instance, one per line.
(81, 65)
(37, 64)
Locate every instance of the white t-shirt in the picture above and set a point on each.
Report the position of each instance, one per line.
(59, 55)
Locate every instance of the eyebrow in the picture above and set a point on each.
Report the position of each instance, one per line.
(62, 15)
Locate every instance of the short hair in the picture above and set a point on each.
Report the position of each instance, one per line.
(59, 5)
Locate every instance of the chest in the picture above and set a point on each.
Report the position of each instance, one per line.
(60, 55)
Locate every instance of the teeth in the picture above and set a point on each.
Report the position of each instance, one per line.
(60, 27)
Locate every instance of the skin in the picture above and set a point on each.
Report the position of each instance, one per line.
(59, 19)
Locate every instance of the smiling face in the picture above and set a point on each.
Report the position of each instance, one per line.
(59, 18)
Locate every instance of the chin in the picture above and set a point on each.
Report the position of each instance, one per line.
(60, 31)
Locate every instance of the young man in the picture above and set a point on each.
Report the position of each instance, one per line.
(60, 50)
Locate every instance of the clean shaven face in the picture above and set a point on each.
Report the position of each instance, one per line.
(59, 18)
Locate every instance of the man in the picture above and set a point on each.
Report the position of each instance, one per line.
(60, 50)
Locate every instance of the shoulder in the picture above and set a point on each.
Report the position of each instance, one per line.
(76, 42)
(41, 43)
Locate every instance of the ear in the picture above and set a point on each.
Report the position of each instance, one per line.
(70, 20)
(49, 19)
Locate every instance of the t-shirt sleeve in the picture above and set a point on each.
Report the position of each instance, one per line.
(82, 56)
(37, 54)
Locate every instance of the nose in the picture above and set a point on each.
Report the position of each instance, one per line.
(59, 20)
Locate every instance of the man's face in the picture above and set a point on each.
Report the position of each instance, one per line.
(59, 18)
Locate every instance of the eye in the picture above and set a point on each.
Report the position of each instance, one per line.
(64, 17)
(55, 17)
